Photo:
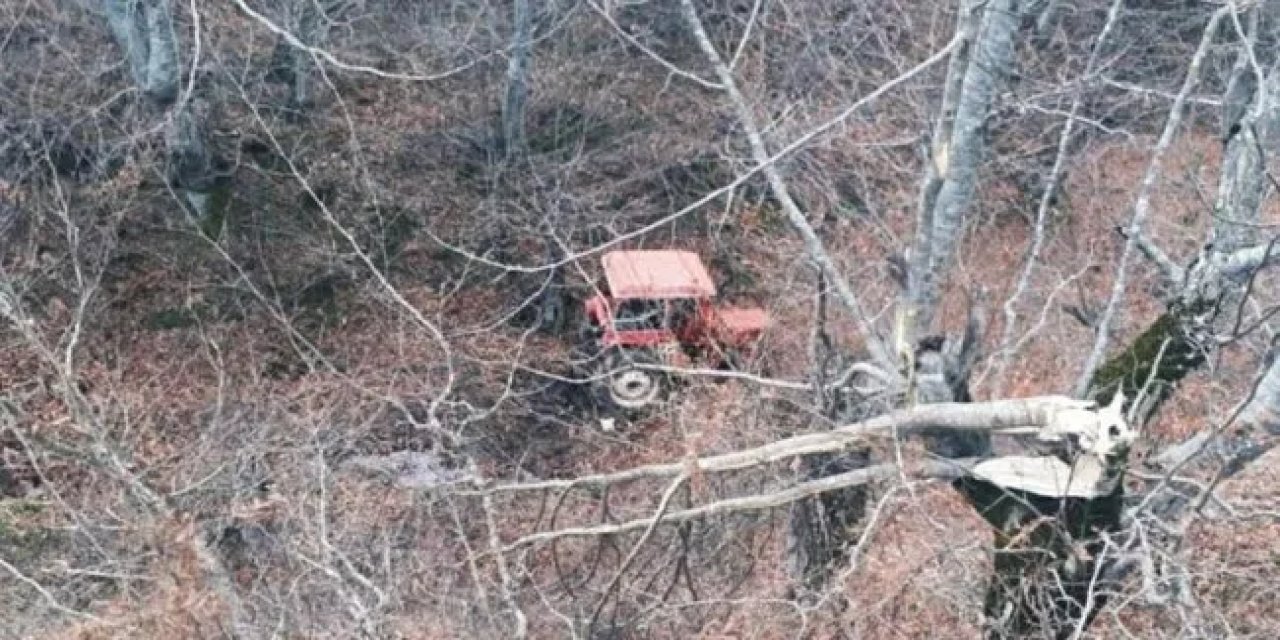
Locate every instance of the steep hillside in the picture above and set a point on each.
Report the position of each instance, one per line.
(271, 336)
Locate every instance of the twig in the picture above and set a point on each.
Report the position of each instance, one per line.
(1042, 212)
(791, 148)
(437, 335)
(655, 56)
(947, 469)
(293, 41)
(635, 549)
(44, 593)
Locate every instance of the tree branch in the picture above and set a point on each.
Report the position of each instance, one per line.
(761, 155)
(942, 469)
(318, 52)
(1142, 207)
(1168, 268)
(957, 154)
(1245, 261)
(1016, 416)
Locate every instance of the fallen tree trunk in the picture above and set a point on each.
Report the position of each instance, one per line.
(1020, 416)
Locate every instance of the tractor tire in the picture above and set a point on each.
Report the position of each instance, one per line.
(553, 311)
(584, 349)
(628, 387)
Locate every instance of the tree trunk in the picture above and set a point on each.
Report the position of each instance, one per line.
(194, 169)
(1049, 578)
(308, 21)
(1048, 560)
(958, 152)
(513, 105)
(312, 28)
(144, 30)
(1045, 558)
(1263, 412)
(1250, 125)
(819, 529)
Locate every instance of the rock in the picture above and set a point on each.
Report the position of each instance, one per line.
(410, 469)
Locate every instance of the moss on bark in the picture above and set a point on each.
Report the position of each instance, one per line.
(1132, 369)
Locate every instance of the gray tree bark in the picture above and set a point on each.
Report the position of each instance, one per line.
(1250, 127)
(517, 93)
(1262, 414)
(974, 79)
(309, 22)
(144, 30)
(1047, 592)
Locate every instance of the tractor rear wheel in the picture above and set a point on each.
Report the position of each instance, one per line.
(630, 386)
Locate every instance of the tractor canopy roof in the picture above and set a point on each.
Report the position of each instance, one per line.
(657, 275)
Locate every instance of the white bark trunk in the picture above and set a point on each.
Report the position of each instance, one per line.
(956, 158)
(144, 29)
(1243, 184)
(145, 32)
(513, 105)
(1263, 412)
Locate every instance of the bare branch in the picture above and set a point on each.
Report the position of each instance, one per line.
(1129, 86)
(666, 64)
(1055, 174)
(1018, 416)
(44, 593)
(1141, 208)
(318, 52)
(760, 153)
(947, 469)
(1168, 268)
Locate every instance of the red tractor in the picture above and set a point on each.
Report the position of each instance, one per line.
(658, 309)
